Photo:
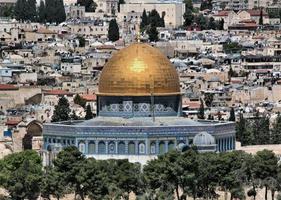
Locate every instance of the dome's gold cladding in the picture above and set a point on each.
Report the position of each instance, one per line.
(139, 70)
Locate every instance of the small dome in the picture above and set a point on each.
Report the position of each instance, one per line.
(204, 139)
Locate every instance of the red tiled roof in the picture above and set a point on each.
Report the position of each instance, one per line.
(13, 122)
(255, 13)
(8, 87)
(223, 13)
(191, 104)
(57, 92)
(89, 97)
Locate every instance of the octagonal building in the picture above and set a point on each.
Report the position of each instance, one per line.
(139, 113)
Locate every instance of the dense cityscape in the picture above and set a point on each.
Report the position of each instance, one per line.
(140, 99)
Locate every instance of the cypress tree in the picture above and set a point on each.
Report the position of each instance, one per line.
(261, 18)
(188, 17)
(144, 20)
(232, 115)
(50, 10)
(89, 113)
(55, 11)
(153, 34)
(62, 110)
(61, 16)
(19, 10)
(201, 114)
(42, 12)
(31, 10)
(162, 20)
(113, 31)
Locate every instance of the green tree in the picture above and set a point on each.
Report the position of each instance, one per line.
(201, 21)
(276, 130)
(53, 184)
(80, 101)
(201, 113)
(208, 176)
(62, 110)
(93, 178)
(187, 169)
(232, 115)
(55, 12)
(20, 10)
(188, 17)
(20, 175)
(82, 41)
(74, 116)
(232, 47)
(144, 20)
(89, 113)
(42, 12)
(168, 181)
(208, 99)
(154, 18)
(113, 31)
(7, 11)
(153, 34)
(188, 4)
(261, 18)
(206, 4)
(212, 23)
(260, 130)
(265, 167)
(221, 24)
(31, 10)
(69, 162)
(90, 5)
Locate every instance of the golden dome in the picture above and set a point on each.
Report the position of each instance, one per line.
(139, 70)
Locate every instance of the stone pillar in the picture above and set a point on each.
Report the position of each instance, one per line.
(137, 147)
(86, 147)
(166, 146)
(157, 147)
(106, 147)
(116, 147)
(147, 152)
(126, 147)
(97, 146)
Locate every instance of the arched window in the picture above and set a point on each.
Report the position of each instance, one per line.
(131, 148)
(121, 148)
(111, 147)
(141, 148)
(152, 148)
(91, 147)
(171, 146)
(101, 148)
(82, 147)
(161, 147)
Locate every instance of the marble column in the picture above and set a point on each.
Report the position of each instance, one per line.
(166, 146)
(136, 147)
(126, 147)
(106, 147)
(86, 147)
